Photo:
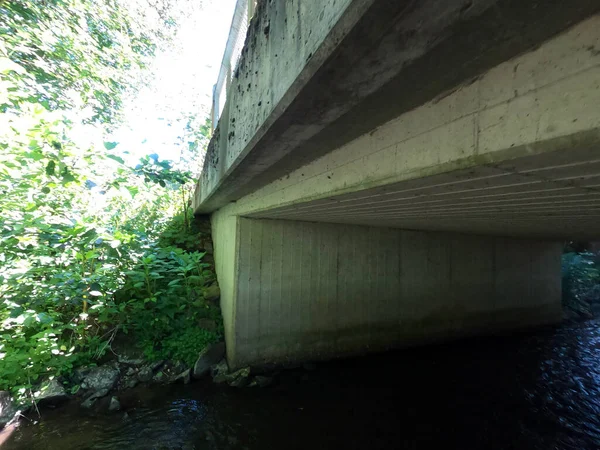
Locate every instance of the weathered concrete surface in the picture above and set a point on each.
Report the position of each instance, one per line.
(513, 153)
(313, 78)
(286, 44)
(407, 115)
(225, 240)
(306, 291)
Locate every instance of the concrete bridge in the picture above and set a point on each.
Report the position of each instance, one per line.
(389, 173)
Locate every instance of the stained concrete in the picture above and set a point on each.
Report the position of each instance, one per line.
(225, 233)
(316, 202)
(514, 153)
(306, 291)
(313, 78)
(287, 42)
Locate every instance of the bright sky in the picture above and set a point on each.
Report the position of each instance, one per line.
(183, 84)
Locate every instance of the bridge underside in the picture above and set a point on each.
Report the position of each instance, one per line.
(345, 275)
(446, 221)
(551, 196)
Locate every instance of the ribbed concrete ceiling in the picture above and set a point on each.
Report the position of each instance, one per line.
(553, 195)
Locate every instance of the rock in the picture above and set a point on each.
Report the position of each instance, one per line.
(88, 402)
(220, 374)
(100, 379)
(115, 404)
(239, 378)
(51, 393)
(156, 365)
(208, 357)
(128, 382)
(219, 371)
(130, 361)
(145, 374)
(159, 377)
(79, 374)
(212, 293)
(173, 368)
(261, 381)
(8, 410)
(207, 324)
(185, 377)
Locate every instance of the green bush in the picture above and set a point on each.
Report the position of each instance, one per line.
(162, 303)
(580, 281)
(182, 345)
(81, 253)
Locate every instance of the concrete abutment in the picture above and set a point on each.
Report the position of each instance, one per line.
(294, 291)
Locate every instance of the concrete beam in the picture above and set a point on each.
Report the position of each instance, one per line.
(313, 79)
(513, 153)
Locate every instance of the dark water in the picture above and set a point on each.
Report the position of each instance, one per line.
(533, 391)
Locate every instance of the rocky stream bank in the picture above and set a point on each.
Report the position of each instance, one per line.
(99, 388)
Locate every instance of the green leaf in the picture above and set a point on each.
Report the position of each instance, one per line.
(110, 146)
(44, 318)
(67, 176)
(50, 168)
(132, 190)
(115, 157)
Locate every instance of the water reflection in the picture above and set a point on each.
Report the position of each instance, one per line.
(539, 390)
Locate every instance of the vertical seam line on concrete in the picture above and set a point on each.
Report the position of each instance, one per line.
(260, 283)
(236, 268)
(495, 270)
(477, 117)
(248, 279)
(452, 290)
(290, 282)
(401, 287)
(529, 244)
(301, 297)
(316, 284)
(337, 276)
(320, 286)
(280, 263)
(312, 255)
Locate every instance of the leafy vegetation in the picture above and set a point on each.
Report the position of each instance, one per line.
(89, 246)
(162, 298)
(580, 281)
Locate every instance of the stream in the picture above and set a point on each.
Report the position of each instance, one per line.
(537, 390)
